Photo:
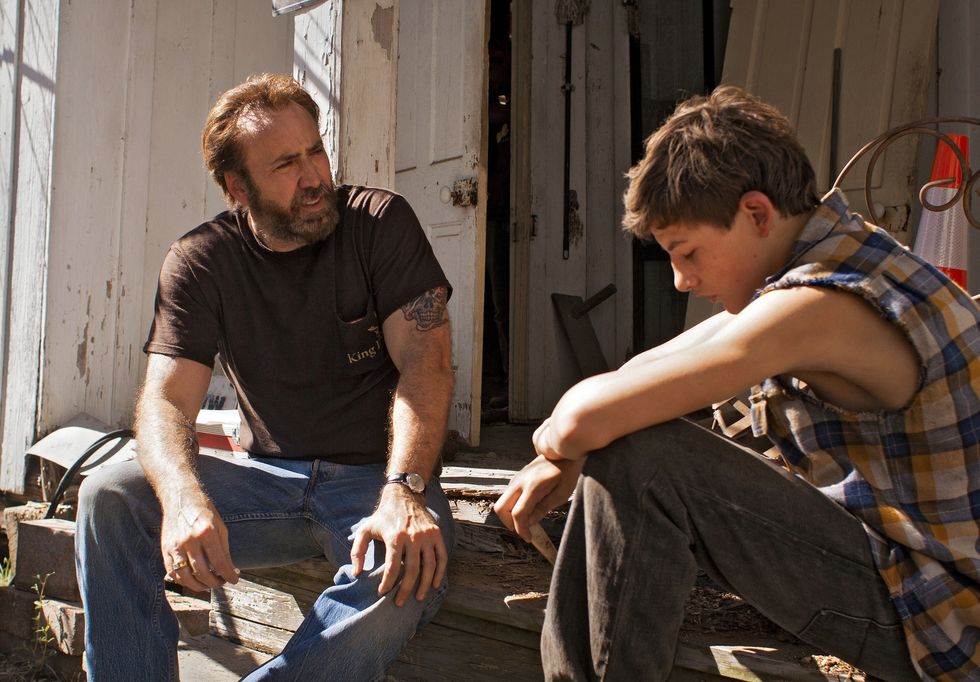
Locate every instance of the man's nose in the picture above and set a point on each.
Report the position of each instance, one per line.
(309, 174)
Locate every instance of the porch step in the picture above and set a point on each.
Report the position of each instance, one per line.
(488, 626)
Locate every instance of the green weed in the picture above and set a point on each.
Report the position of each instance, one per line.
(6, 573)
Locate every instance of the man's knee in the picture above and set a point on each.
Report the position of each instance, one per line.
(112, 493)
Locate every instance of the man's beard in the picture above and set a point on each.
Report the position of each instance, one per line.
(295, 225)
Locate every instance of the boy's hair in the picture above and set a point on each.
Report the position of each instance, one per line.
(710, 152)
(221, 139)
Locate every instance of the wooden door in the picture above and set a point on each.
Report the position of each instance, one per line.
(440, 167)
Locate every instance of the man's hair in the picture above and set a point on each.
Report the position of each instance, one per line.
(221, 139)
(710, 152)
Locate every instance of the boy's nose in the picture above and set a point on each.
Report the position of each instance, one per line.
(683, 281)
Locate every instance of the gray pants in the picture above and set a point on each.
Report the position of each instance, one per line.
(653, 506)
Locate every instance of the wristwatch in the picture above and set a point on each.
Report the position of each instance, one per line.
(410, 480)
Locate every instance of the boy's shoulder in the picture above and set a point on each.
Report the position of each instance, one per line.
(829, 337)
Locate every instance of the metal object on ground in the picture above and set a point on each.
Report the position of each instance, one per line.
(880, 143)
(573, 316)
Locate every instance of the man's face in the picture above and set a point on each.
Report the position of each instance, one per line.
(725, 265)
(287, 185)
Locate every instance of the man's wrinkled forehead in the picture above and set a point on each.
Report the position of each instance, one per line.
(254, 120)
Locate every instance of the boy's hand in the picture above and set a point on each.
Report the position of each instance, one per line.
(546, 444)
(535, 490)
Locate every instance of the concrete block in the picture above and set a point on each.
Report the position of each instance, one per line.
(66, 621)
(14, 515)
(47, 546)
(20, 657)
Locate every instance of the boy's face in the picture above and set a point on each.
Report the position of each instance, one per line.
(726, 265)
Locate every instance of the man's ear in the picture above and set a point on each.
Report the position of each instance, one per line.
(235, 183)
(759, 207)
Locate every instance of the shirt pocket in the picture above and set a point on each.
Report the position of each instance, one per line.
(362, 347)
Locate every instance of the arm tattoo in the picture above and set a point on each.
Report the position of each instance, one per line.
(428, 310)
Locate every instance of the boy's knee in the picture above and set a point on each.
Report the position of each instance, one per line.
(669, 450)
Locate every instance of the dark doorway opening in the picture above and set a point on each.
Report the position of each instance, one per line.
(496, 299)
(678, 52)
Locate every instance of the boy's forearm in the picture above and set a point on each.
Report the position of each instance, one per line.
(602, 408)
(697, 334)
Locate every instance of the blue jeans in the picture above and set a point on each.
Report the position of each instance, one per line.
(653, 506)
(277, 511)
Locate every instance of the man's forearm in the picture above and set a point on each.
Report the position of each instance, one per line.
(167, 450)
(419, 414)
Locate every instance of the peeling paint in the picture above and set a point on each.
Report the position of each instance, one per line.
(81, 356)
(108, 288)
(382, 27)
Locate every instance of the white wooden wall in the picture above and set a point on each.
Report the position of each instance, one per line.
(101, 170)
(783, 52)
(599, 253)
(351, 47)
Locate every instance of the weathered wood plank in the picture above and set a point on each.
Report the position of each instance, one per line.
(258, 636)
(78, 352)
(484, 628)
(10, 30)
(510, 592)
(33, 158)
(442, 654)
(750, 663)
(264, 605)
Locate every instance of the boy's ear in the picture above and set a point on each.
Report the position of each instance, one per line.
(236, 187)
(760, 210)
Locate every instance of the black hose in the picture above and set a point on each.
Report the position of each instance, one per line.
(73, 469)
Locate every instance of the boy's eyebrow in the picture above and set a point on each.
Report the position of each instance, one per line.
(674, 244)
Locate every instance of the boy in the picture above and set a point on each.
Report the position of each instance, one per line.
(864, 362)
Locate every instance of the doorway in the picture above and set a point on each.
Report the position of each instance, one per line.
(676, 52)
(496, 302)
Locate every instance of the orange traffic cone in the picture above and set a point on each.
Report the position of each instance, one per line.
(941, 238)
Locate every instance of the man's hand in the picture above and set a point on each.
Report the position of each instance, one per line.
(194, 542)
(535, 490)
(412, 539)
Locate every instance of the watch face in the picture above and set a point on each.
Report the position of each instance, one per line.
(415, 482)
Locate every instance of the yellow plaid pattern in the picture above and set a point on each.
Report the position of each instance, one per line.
(913, 475)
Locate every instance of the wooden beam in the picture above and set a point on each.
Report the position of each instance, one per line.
(339, 47)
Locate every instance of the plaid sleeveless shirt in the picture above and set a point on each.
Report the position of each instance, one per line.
(912, 476)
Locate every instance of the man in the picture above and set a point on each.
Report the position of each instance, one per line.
(327, 309)
(867, 359)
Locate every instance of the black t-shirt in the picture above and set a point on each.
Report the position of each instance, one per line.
(299, 333)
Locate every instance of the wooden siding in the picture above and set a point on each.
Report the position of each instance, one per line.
(599, 254)
(101, 171)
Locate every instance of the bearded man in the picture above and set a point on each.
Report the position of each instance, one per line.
(327, 310)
